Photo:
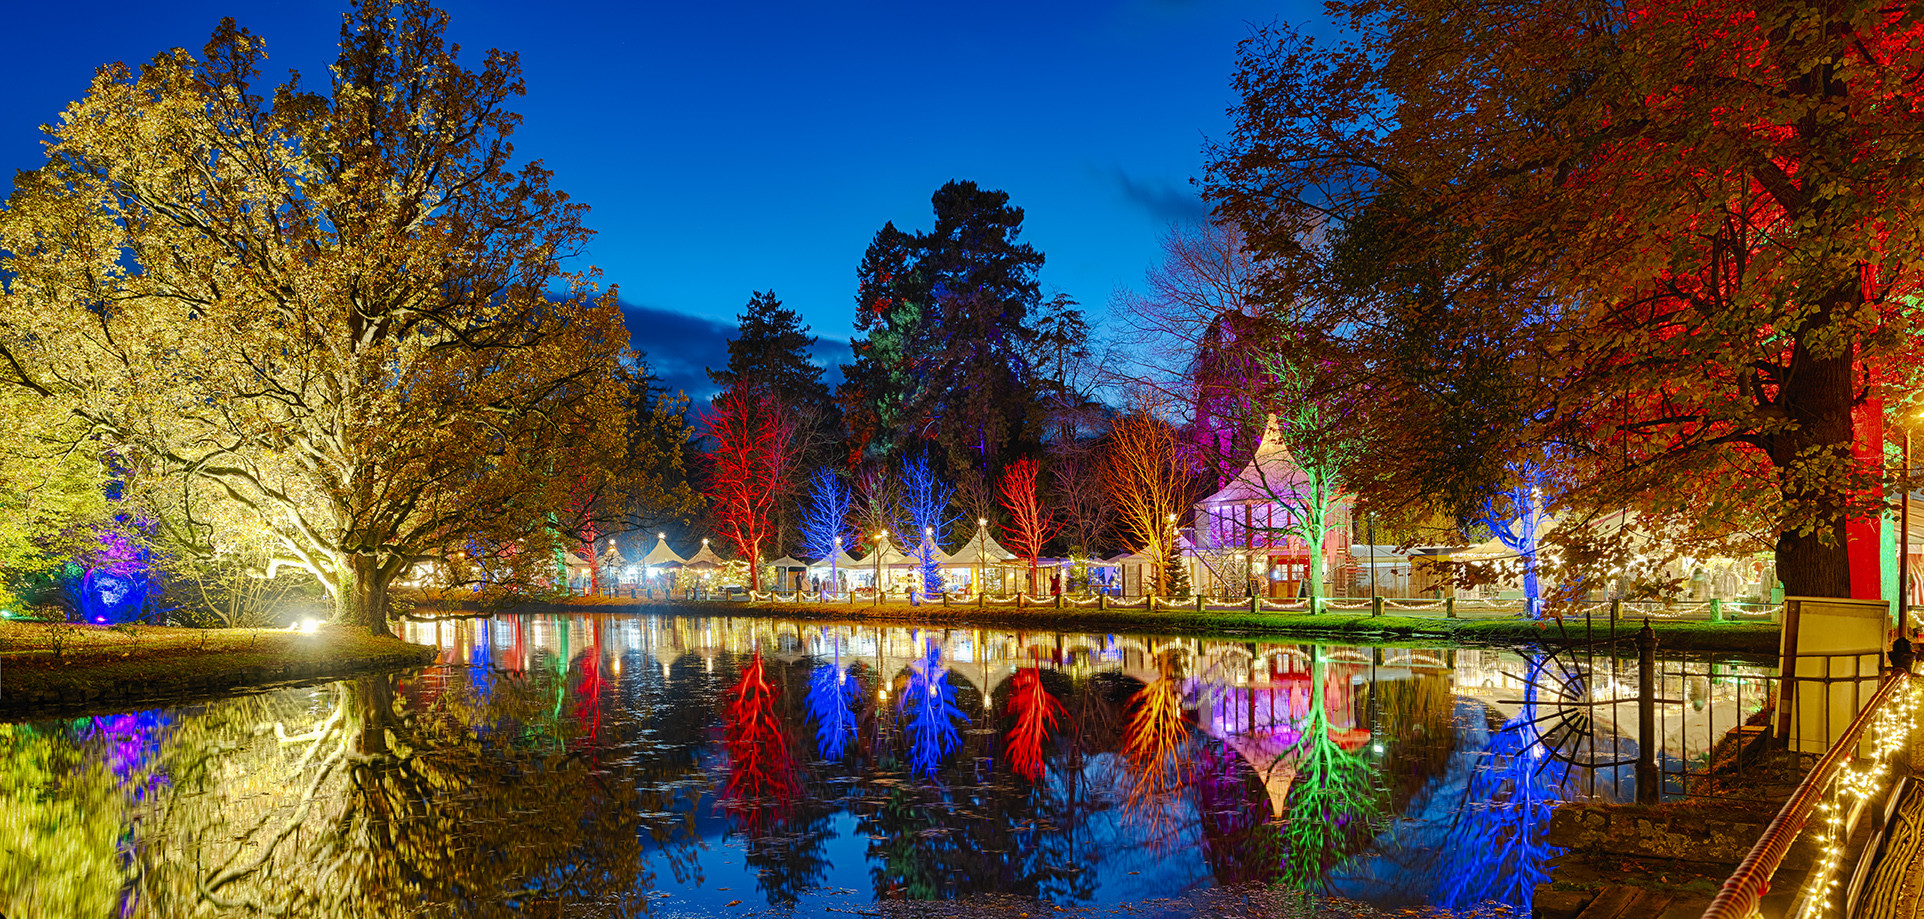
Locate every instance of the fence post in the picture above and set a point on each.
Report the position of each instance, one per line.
(1716, 609)
(1648, 786)
(1376, 606)
(1255, 604)
(1616, 612)
(1102, 601)
(1058, 601)
(1449, 607)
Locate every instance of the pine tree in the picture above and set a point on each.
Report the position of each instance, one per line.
(948, 334)
(769, 354)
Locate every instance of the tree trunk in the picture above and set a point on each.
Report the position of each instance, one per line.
(1813, 559)
(363, 598)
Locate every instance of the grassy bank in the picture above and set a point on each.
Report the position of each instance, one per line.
(1349, 628)
(62, 668)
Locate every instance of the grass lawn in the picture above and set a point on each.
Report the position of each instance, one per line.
(64, 666)
(1357, 628)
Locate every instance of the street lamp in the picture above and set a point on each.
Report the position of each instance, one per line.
(1904, 544)
(880, 541)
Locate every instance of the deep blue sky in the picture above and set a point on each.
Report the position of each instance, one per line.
(727, 147)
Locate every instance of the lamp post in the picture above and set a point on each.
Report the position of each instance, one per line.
(880, 541)
(1904, 544)
(836, 556)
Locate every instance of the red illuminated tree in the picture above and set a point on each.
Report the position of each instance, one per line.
(751, 456)
(1031, 525)
(1680, 240)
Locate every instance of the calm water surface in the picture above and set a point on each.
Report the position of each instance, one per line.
(621, 765)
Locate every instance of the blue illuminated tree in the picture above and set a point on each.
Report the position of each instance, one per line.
(825, 520)
(929, 713)
(1515, 513)
(924, 516)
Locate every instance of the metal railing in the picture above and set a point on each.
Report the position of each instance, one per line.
(1886, 721)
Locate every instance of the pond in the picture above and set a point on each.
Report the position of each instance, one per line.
(661, 765)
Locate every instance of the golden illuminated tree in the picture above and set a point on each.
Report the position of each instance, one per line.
(335, 316)
(1148, 487)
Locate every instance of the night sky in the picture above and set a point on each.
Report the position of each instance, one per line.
(727, 147)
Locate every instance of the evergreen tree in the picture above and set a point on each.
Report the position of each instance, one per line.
(769, 354)
(948, 334)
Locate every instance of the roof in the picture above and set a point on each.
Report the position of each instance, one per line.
(981, 549)
(1271, 472)
(786, 562)
(661, 554)
(892, 557)
(841, 559)
(707, 554)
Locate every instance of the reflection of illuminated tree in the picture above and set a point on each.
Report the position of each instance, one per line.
(832, 699)
(61, 816)
(1035, 717)
(762, 777)
(1334, 804)
(1497, 847)
(1153, 740)
(381, 810)
(929, 713)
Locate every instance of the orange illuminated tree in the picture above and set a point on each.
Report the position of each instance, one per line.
(1148, 487)
(751, 454)
(1031, 525)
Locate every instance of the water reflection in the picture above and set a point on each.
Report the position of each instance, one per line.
(613, 765)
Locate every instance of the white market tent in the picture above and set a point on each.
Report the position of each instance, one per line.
(706, 559)
(661, 555)
(1250, 507)
(784, 566)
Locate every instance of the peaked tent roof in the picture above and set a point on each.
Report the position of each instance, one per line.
(785, 562)
(892, 557)
(661, 554)
(980, 549)
(707, 554)
(841, 560)
(1272, 471)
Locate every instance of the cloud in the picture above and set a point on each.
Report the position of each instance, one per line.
(1163, 200)
(680, 347)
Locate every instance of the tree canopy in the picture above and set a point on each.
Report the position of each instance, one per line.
(1691, 227)
(330, 316)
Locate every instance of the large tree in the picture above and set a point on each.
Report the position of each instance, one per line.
(1698, 220)
(948, 336)
(334, 314)
(769, 353)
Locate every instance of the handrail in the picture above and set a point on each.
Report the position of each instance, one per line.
(1744, 889)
